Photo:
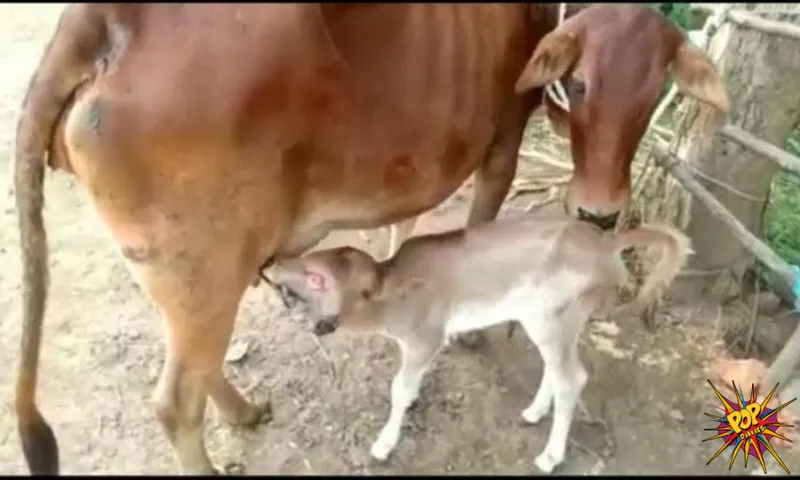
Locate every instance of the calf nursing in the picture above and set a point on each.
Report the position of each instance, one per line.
(549, 272)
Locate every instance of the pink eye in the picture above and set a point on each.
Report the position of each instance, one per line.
(315, 281)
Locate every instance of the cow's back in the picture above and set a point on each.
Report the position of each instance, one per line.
(345, 116)
(360, 95)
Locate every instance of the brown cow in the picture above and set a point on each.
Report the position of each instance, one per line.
(213, 137)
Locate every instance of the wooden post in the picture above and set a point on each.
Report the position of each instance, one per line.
(681, 172)
(786, 160)
(748, 20)
(781, 369)
(760, 74)
(789, 356)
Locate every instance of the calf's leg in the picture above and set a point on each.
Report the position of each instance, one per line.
(569, 379)
(542, 401)
(562, 382)
(405, 389)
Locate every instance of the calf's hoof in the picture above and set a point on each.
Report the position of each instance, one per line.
(381, 449)
(546, 462)
(534, 416)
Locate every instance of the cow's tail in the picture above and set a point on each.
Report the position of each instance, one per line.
(673, 247)
(68, 60)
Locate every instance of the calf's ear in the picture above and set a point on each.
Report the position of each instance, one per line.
(317, 281)
(697, 77)
(554, 55)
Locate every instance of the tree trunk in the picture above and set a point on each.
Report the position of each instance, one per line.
(761, 72)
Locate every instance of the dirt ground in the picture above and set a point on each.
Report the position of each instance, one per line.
(103, 351)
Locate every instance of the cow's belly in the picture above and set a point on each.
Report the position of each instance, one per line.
(375, 183)
(370, 203)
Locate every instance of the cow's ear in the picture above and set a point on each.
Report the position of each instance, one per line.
(697, 77)
(553, 57)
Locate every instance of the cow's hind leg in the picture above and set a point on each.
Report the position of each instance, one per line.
(234, 408)
(199, 301)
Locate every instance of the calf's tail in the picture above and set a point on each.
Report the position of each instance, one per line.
(673, 249)
(68, 60)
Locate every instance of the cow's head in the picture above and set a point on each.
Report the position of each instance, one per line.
(613, 61)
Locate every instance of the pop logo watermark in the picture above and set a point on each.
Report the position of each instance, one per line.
(747, 426)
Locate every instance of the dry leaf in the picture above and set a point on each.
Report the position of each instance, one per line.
(237, 351)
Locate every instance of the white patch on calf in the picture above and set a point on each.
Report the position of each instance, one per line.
(531, 299)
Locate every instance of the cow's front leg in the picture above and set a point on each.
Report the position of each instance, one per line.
(492, 182)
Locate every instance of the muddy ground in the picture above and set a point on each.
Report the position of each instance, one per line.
(103, 351)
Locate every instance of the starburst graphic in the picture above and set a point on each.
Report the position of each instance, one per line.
(747, 425)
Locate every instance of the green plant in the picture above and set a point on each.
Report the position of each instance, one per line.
(782, 215)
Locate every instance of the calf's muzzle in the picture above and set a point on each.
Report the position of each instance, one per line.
(326, 325)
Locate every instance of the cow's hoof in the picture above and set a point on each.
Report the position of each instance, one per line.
(254, 416)
(471, 340)
(262, 414)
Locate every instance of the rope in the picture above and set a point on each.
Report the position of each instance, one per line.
(724, 185)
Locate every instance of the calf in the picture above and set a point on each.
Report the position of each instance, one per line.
(548, 271)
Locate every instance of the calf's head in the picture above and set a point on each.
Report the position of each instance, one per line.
(613, 61)
(329, 284)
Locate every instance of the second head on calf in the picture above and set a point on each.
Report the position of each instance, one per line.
(549, 272)
(613, 61)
